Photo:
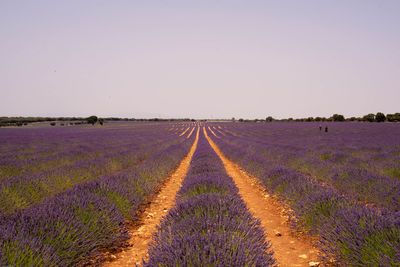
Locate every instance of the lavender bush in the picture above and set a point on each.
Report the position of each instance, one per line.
(333, 182)
(210, 224)
(67, 228)
(43, 162)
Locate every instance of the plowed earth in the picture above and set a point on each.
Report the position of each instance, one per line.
(151, 217)
(290, 249)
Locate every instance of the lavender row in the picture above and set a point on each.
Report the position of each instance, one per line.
(362, 163)
(374, 147)
(210, 224)
(33, 146)
(21, 191)
(350, 232)
(68, 228)
(50, 148)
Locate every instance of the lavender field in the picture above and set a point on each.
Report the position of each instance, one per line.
(342, 185)
(69, 193)
(210, 224)
(200, 133)
(66, 192)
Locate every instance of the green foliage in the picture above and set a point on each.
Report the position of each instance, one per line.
(352, 119)
(121, 202)
(392, 171)
(380, 117)
(371, 247)
(269, 119)
(205, 189)
(338, 117)
(319, 212)
(369, 117)
(325, 156)
(20, 255)
(92, 120)
(393, 117)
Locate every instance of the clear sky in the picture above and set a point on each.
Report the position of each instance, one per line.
(199, 59)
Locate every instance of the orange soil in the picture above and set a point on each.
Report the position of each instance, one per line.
(232, 133)
(151, 217)
(219, 131)
(212, 132)
(289, 250)
(191, 132)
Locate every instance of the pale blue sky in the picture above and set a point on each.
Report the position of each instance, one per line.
(199, 59)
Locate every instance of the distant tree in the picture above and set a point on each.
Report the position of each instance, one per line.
(233, 119)
(52, 123)
(101, 121)
(318, 119)
(241, 120)
(91, 120)
(393, 117)
(352, 119)
(269, 119)
(380, 117)
(369, 117)
(310, 119)
(290, 119)
(337, 117)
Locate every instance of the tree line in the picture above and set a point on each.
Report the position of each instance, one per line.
(20, 121)
(378, 117)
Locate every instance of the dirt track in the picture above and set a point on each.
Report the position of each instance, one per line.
(142, 233)
(289, 249)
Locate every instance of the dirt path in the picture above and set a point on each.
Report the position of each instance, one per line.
(142, 232)
(289, 249)
(212, 132)
(219, 131)
(184, 131)
(191, 132)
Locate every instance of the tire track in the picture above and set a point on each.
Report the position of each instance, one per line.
(190, 132)
(150, 218)
(289, 249)
(184, 131)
